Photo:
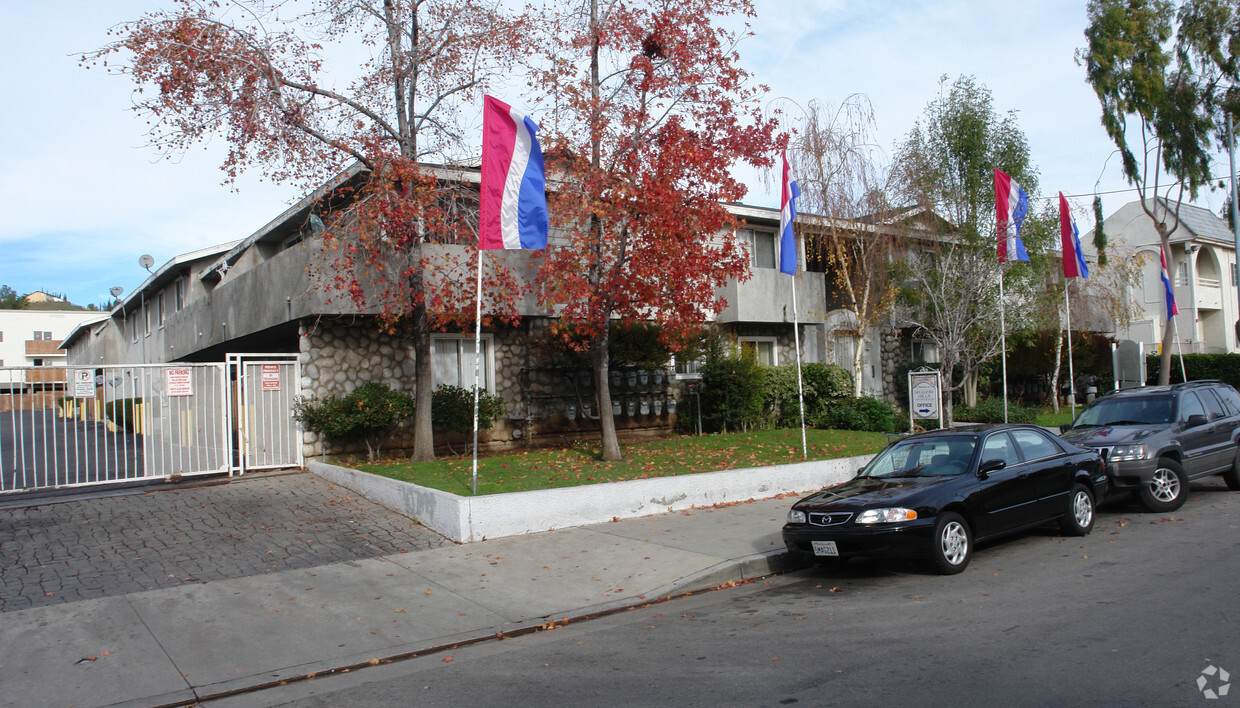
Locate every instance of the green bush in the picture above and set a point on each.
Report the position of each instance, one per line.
(732, 386)
(1223, 367)
(452, 407)
(828, 381)
(821, 383)
(371, 412)
(123, 413)
(865, 413)
(990, 410)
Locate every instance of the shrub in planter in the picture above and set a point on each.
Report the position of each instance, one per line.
(452, 407)
(371, 412)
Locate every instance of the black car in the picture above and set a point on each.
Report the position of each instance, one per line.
(935, 494)
(1157, 438)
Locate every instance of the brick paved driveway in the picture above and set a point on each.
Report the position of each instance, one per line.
(114, 545)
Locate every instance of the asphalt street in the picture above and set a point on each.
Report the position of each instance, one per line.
(1131, 615)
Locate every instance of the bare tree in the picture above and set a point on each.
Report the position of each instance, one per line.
(843, 180)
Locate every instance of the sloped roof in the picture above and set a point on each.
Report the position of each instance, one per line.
(1203, 223)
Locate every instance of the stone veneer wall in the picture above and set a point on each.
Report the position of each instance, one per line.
(891, 355)
(338, 355)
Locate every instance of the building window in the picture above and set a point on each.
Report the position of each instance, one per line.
(688, 369)
(453, 362)
(133, 331)
(180, 294)
(2, 333)
(764, 349)
(38, 362)
(160, 306)
(1233, 275)
(925, 350)
(146, 321)
(761, 245)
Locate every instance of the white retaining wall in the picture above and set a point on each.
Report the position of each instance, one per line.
(465, 519)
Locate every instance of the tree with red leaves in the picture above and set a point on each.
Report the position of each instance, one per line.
(646, 113)
(253, 72)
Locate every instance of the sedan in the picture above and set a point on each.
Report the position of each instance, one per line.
(934, 495)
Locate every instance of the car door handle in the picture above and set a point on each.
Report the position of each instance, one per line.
(1024, 475)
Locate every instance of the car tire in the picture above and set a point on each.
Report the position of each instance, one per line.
(1167, 489)
(1232, 476)
(952, 547)
(1078, 518)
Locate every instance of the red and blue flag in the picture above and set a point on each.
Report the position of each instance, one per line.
(1073, 260)
(1011, 207)
(513, 208)
(787, 213)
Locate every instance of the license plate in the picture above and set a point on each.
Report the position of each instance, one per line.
(825, 548)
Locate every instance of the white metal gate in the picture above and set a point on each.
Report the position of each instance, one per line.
(267, 435)
(66, 426)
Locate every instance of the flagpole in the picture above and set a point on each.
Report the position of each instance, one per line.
(477, 368)
(796, 336)
(1067, 308)
(1003, 343)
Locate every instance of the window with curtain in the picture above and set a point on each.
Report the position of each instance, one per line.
(453, 362)
(761, 245)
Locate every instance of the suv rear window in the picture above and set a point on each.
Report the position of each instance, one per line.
(1231, 399)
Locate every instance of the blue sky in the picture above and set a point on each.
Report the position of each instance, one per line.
(85, 197)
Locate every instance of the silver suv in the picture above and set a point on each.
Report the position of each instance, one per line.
(1155, 439)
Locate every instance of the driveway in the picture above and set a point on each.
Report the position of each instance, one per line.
(115, 544)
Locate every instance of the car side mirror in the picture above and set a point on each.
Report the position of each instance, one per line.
(990, 466)
(1065, 427)
(1195, 420)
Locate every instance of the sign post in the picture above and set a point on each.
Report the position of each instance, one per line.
(925, 396)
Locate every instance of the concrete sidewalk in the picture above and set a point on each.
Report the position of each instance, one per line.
(189, 643)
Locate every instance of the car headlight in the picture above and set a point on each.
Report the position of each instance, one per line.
(1122, 453)
(886, 516)
(796, 516)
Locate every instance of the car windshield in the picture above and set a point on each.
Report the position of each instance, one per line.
(919, 458)
(1129, 410)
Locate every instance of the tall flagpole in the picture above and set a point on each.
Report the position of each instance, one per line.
(477, 368)
(1071, 375)
(796, 336)
(1003, 343)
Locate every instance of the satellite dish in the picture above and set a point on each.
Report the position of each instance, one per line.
(116, 290)
(146, 261)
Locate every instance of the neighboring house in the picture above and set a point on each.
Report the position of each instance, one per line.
(258, 296)
(40, 296)
(32, 338)
(1202, 265)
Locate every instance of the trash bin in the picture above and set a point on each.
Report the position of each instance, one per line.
(1091, 392)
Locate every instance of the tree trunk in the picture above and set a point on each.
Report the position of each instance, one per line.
(970, 389)
(609, 445)
(1055, 373)
(423, 433)
(1164, 361)
(858, 365)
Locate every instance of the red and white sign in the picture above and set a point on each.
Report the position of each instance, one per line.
(271, 377)
(178, 382)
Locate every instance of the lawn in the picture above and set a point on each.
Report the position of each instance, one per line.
(577, 465)
(1053, 420)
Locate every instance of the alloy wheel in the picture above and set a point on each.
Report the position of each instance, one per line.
(1165, 485)
(955, 543)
